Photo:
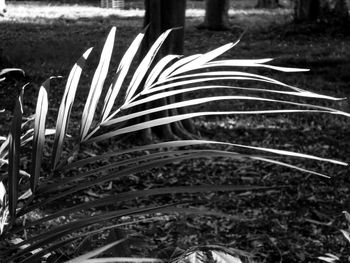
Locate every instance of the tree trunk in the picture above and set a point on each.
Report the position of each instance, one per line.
(307, 10)
(321, 10)
(216, 15)
(267, 4)
(161, 15)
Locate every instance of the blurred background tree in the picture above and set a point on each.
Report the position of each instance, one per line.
(321, 10)
(216, 15)
(267, 4)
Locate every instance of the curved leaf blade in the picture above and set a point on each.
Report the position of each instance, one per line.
(58, 232)
(252, 63)
(66, 107)
(203, 59)
(95, 252)
(110, 200)
(14, 156)
(159, 68)
(180, 117)
(167, 72)
(144, 65)
(97, 85)
(193, 102)
(121, 73)
(39, 134)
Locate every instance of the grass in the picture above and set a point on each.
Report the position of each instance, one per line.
(289, 224)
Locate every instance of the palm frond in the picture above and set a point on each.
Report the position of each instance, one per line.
(66, 107)
(14, 157)
(39, 134)
(120, 75)
(97, 85)
(173, 75)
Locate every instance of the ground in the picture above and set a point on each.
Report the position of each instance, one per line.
(297, 221)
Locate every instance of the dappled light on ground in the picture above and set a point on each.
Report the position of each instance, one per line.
(36, 12)
(45, 13)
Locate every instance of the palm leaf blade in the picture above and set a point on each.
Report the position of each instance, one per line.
(58, 232)
(180, 117)
(14, 157)
(95, 252)
(121, 74)
(39, 134)
(125, 196)
(66, 107)
(145, 63)
(193, 102)
(97, 85)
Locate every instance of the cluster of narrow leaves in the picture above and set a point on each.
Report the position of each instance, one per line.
(215, 254)
(331, 258)
(170, 76)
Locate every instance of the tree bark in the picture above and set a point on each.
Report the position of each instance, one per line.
(267, 4)
(321, 10)
(216, 15)
(162, 15)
